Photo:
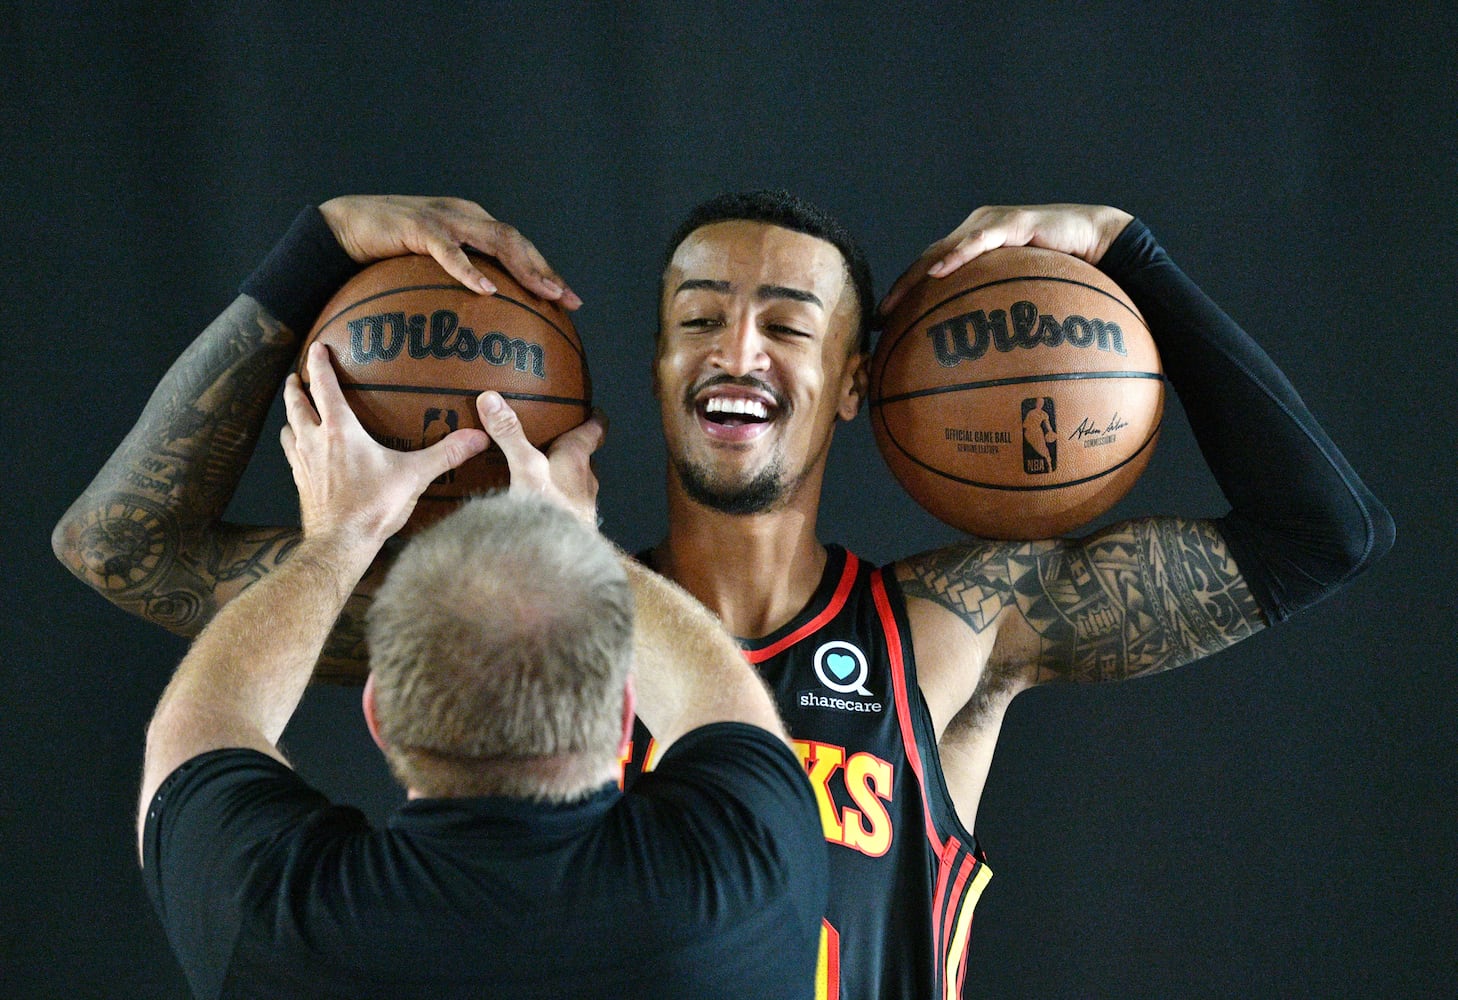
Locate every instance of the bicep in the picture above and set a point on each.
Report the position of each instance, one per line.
(151, 568)
(182, 728)
(990, 618)
(131, 551)
(1132, 599)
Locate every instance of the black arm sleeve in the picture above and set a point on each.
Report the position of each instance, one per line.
(1303, 523)
(301, 273)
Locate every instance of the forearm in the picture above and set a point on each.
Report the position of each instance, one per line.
(242, 679)
(248, 669)
(146, 533)
(687, 670)
(1302, 522)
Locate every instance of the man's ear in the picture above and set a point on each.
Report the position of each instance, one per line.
(854, 386)
(367, 700)
(630, 706)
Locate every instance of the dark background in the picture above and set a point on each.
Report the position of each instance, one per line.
(1275, 822)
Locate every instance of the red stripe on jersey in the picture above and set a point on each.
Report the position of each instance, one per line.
(903, 703)
(837, 601)
(943, 947)
(939, 896)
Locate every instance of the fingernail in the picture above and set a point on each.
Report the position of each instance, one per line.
(491, 403)
(486, 286)
(936, 269)
(552, 286)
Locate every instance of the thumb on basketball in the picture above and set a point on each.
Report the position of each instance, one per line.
(530, 469)
(446, 454)
(328, 399)
(566, 477)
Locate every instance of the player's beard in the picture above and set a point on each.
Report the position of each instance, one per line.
(765, 492)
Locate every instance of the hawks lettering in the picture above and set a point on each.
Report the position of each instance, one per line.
(867, 779)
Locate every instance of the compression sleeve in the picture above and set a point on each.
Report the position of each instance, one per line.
(301, 273)
(1302, 522)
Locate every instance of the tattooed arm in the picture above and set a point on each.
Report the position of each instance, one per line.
(148, 532)
(1147, 595)
(1133, 599)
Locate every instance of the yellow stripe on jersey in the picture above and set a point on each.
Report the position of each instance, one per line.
(827, 966)
(957, 951)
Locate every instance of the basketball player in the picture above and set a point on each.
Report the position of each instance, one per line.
(500, 693)
(893, 681)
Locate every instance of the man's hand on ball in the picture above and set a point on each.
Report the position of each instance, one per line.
(1084, 231)
(350, 486)
(373, 227)
(564, 474)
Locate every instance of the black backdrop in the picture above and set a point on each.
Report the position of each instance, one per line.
(1275, 822)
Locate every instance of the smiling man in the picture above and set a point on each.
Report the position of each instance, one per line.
(892, 681)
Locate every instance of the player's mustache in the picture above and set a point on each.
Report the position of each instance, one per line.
(782, 403)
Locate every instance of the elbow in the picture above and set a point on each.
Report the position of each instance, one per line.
(1354, 547)
(66, 543)
(1382, 535)
(125, 561)
(1295, 563)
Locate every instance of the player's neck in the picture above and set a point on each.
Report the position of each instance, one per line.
(754, 571)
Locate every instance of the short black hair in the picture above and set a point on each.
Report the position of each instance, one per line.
(781, 208)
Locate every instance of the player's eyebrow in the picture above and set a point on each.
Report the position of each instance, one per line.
(763, 292)
(706, 284)
(783, 292)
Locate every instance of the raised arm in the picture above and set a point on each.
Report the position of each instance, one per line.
(688, 671)
(241, 681)
(148, 533)
(1151, 594)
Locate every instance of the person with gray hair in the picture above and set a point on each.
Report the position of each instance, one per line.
(506, 645)
(553, 618)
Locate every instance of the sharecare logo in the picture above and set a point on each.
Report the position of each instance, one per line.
(842, 667)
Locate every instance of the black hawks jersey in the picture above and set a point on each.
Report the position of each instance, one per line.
(904, 874)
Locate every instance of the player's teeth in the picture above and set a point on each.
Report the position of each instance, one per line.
(747, 407)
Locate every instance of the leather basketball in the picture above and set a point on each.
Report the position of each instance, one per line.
(1019, 397)
(413, 348)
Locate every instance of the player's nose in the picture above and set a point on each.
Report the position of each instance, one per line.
(740, 347)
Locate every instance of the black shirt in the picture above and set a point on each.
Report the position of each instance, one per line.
(706, 880)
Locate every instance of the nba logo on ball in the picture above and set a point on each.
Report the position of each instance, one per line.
(1018, 397)
(413, 348)
(1040, 436)
(438, 423)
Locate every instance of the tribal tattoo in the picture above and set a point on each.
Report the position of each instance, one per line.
(1134, 599)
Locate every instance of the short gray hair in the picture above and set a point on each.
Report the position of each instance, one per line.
(499, 646)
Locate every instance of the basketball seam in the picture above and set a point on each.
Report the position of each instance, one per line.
(451, 391)
(1015, 380)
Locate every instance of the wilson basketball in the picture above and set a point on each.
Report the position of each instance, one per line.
(413, 348)
(1019, 397)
